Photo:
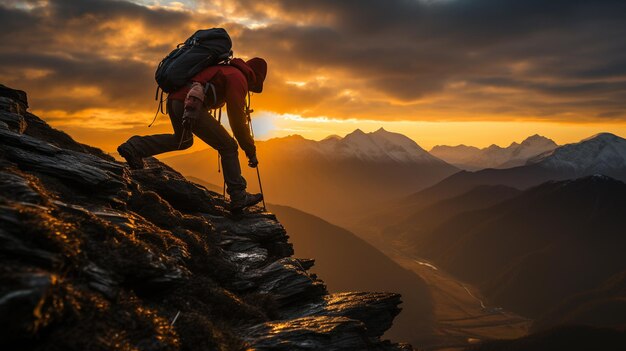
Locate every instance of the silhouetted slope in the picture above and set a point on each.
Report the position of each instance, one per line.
(412, 228)
(348, 263)
(477, 198)
(578, 338)
(464, 181)
(403, 223)
(604, 306)
(530, 252)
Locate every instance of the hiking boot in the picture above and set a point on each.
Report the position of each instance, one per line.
(245, 200)
(134, 161)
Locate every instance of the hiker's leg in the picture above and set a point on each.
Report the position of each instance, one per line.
(214, 134)
(156, 144)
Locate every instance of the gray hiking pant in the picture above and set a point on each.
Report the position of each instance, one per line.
(209, 130)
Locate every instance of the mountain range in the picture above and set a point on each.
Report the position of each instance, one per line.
(472, 158)
(603, 153)
(358, 171)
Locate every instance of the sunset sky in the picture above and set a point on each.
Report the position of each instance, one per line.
(440, 71)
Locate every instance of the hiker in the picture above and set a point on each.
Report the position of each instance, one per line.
(188, 109)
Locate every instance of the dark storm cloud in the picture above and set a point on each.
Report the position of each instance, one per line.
(410, 49)
(68, 46)
(102, 9)
(120, 81)
(498, 57)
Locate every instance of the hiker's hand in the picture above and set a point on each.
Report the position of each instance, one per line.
(192, 103)
(252, 161)
(192, 108)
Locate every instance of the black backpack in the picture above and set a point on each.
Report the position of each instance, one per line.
(204, 48)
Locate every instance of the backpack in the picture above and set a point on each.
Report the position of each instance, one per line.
(204, 48)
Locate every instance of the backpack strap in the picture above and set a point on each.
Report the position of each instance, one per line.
(219, 157)
(249, 111)
(159, 106)
(210, 87)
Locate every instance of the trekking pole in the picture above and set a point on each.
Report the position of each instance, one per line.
(219, 157)
(182, 138)
(219, 120)
(258, 173)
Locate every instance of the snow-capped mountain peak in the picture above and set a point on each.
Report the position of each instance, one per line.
(601, 153)
(603, 137)
(380, 145)
(495, 156)
(537, 139)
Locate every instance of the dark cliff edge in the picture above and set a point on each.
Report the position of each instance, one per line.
(98, 257)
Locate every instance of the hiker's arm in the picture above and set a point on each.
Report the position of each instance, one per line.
(235, 105)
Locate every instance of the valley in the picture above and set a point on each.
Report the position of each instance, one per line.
(461, 313)
(458, 313)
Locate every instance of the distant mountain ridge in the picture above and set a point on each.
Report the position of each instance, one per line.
(494, 156)
(378, 146)
(358, 171)
(603, 153)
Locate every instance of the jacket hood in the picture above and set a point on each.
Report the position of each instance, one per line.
(259, 66)
(254, 70)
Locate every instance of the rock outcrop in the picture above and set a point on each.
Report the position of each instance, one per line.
(98, 257)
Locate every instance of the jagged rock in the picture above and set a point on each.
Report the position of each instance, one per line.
(80, 169)
(175, 189)
(10, 106)
(21, 297)
(12, 97)
(20, 187)
(310, 333)
(287, 281)
(102, 280)
(12, 244)
(251, 231)
(13, 121)
(306, 263)
(94, 256)
(375, 310)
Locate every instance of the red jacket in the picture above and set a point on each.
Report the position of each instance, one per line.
(231, 88)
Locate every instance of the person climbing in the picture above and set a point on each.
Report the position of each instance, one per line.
(188, 109)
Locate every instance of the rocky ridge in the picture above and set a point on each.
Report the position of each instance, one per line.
(494, 156)
(96, 256)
